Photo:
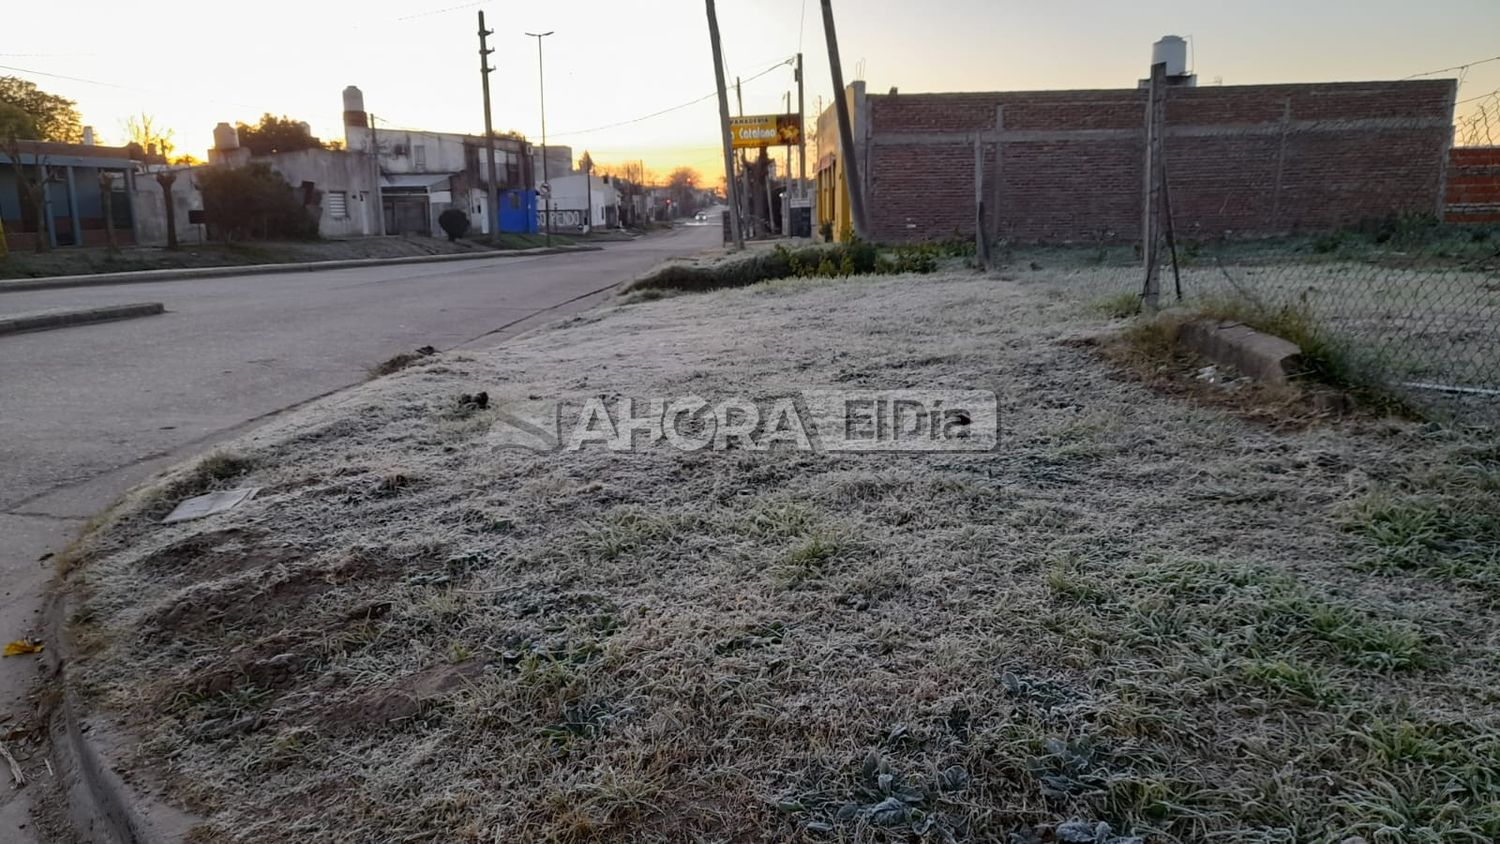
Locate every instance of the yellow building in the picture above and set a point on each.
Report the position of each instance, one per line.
(832, 186)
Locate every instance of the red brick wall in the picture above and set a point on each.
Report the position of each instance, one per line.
(1473, 185)
(1241, 161)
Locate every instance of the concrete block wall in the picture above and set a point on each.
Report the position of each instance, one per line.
(1241, 160)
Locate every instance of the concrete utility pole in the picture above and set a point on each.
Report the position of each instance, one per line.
(729, 186)
(375, 194)
(846, 129)
(801, 134)
(542, 86)
(492, 213)
(746, 196)
(1156, 115)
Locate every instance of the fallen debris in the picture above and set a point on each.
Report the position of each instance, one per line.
(200, 506)
(24, 647)
(15, 767)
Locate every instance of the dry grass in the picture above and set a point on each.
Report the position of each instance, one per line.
(1141, 610)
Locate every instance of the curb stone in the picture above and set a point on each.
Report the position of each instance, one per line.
(102, 808)
(189, 273)
(46, 320)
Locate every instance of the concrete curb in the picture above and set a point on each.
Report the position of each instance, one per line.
(189, 273)
(1264, 357)
(46, 320)
(102, 808)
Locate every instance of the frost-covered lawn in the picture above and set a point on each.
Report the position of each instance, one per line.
(1139, 610)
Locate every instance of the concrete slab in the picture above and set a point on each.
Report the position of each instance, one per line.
(1268, 359)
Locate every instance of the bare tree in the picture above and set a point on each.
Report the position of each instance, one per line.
(106, 199)
(165, 178)
(156, 140)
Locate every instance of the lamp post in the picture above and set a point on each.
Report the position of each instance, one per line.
(542, 87)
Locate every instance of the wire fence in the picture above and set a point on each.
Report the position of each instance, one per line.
(1408, 304)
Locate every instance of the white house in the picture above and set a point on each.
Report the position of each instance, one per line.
(571, 195)
(425, 173)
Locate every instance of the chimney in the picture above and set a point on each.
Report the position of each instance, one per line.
(88, 136)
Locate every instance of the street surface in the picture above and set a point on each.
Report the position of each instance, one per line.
(89, 411)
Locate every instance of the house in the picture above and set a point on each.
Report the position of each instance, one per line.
(571, 195)
(1240, 160)
(75, 195)
(425, 173)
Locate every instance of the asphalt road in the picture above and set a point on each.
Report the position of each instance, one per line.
(87, 412)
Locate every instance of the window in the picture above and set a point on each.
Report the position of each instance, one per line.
(338, 204)
(420, 153)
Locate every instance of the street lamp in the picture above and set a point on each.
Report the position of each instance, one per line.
(542, 86)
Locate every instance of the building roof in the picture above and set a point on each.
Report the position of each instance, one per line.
(71, 155)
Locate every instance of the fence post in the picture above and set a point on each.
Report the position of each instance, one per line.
(981, 245)
(1156, 118)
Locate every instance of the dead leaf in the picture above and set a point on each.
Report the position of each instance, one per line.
(21, 647)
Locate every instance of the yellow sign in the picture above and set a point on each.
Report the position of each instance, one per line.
(765, 130)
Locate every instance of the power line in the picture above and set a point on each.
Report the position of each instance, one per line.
(1478, 98)
(670, 109)
(1460, 67)
(440, 11)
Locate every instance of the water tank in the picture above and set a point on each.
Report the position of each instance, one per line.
(1172, 50)
(226, 137)
(354, 107)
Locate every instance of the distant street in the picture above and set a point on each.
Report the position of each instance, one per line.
(87, 412)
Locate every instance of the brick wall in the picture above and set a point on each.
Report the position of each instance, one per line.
(1473, 185)
(1241, 160)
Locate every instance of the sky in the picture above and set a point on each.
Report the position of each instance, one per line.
(612, 63)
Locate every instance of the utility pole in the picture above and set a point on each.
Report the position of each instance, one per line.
(746, 195)
(375, 159)
(492, 206)
(542, 86)
(1156, 113)
(846, 128)
(729, 185)
(801, 134)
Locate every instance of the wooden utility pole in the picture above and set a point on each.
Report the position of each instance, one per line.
(492, 224)
(1156, 116)
(849, 164)
(729, 186)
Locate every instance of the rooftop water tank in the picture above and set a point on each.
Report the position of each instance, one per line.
(1171, 50)
(354, 107)
(226, 137)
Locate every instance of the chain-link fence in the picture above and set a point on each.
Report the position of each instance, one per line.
(1407, 304)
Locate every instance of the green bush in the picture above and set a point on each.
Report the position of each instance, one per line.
(253, 202)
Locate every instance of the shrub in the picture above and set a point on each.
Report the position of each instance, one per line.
(455, 223)
(253, 202)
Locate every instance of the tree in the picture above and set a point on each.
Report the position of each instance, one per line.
(56, 118)
(146, 131)
(106, 199)
(17, 125)
(682, 187)
(277, 134)
(253, 201)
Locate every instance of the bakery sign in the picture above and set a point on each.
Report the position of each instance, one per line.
(765, 130)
